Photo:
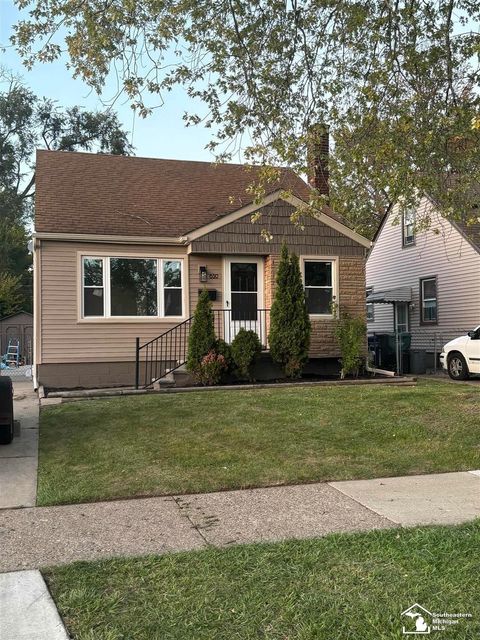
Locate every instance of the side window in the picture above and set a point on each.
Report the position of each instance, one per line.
(408, 227)
(318, 281)
(93, 287)
(428, 300)
(172, 287)
(370, 306)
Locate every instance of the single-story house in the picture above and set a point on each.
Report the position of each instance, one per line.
(124, 245)
(424, 284)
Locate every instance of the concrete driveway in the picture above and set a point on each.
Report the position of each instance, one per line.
(19, 460)
(442, 376)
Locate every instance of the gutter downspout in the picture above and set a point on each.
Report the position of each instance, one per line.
(36, 310)
(382, 372)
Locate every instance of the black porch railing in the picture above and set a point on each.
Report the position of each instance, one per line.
(166, 353)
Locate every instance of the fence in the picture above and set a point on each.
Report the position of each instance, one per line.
(403, 351)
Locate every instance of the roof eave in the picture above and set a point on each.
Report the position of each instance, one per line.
(456, 226)
(110, 238)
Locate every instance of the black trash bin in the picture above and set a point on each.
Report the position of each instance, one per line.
(384, 355)
(418, 361)
(6, 410)
(384, 347)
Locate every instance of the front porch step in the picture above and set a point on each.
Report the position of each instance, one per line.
(167, 381)
(183, 378)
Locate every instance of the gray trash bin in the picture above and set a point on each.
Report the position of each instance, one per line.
(418, 361)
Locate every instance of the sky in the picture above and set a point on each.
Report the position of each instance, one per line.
(161, 135)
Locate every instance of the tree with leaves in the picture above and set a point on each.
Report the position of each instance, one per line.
(11, 294)
(289, 337)
(28, 122)
(397, 81)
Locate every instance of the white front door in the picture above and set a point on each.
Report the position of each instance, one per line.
(244, 297)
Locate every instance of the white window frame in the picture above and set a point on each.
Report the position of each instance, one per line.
(335, 280)
(405, 224)
(84, 286)
(161, 287)
(107, 317)
(423, 300)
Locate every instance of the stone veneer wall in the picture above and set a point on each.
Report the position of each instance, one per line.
(351, 299)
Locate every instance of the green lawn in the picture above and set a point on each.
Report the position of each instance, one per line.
(341, 587)
(198, 442)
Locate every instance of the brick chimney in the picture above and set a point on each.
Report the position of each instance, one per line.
(317, 158)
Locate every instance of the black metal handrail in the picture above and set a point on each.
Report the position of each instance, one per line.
(168, 351)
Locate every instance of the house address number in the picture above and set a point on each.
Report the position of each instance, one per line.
(213, 276)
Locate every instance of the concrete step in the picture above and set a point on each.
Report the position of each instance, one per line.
(183, 378)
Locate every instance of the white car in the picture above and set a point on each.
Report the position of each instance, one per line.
(461, 357)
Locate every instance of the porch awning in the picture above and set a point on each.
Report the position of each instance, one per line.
(398, 294)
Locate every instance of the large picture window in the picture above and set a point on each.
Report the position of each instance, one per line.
(133, 287)
(428, 300)
(318, 278)
(115, 287)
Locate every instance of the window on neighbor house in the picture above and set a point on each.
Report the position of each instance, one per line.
(132, 287)
(428, 300)
(318, 278)
(370, 306)
(409, 227)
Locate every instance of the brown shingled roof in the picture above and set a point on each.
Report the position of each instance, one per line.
(471, 232)
(89, 193)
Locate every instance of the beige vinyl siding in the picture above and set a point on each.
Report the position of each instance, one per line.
(65, 338)
(446, 255)
(214, 266)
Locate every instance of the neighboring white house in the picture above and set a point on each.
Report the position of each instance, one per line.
(424, 283)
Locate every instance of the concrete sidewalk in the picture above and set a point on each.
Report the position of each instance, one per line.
(27, 611)
(440, 498)
(19, 460)
(42, 536)
(33, 538)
